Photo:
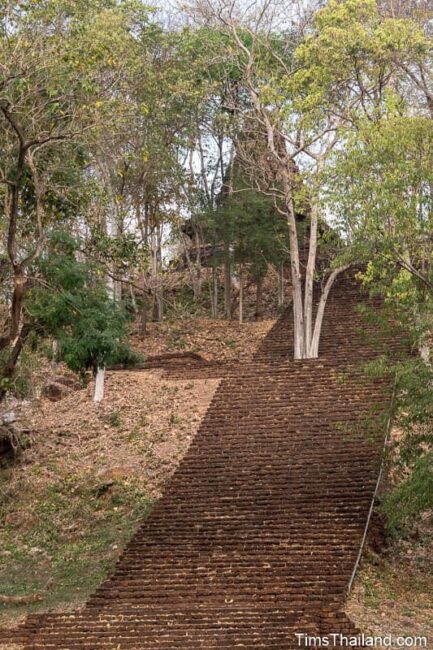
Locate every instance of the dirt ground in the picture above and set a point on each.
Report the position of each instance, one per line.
(94, 471)
(212, 339)
(393, 593)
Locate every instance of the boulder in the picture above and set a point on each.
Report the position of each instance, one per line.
(67, 380)
(9, 417)
(59, 386)
(55, 391)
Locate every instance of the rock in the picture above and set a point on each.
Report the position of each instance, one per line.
(9, 417)
(55, 391)
(35, 550)
(109, 475)
(67, 380)
(58, 386)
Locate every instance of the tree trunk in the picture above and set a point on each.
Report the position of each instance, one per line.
(423, 342)
(214, 292)
(117, 289)
(298, 308)
(424, 352)
(159, 294)
(281, 285)
(143, 320)
(259, 299)
(241, 295)
(98, 395)
(8, 369)
(313, 351)
(158, 303)
(54, 353)
(197, 285)
(227, 282)
(16, 309)
(116, 284)
(133, 301)
(309, 279)
(194, 268)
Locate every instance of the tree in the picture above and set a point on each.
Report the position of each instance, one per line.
(380, 185)
(277, 100)
(209, 154)
(70, 302)
(63, 68)
(255, 233)
(382, 193)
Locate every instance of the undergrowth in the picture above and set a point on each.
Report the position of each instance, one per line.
(67, 534)
(410, 461)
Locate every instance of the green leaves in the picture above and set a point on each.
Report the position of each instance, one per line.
(352, 54)
(381, 187)
(412, 497)
(70, 302)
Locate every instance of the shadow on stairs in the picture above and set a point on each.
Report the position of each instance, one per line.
(255, 539)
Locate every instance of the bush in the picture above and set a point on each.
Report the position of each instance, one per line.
(72, 304)
(412, 497)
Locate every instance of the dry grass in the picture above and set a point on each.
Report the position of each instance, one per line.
(91, 474)
(393, 594)
(213, 339)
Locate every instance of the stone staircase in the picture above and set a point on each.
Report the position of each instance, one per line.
(259, 529)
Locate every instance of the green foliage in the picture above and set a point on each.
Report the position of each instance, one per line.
(353, 42)
(123, 249)
(380, 193)
(71, 303)
(412, 497)
(114, 419)
(249, 222)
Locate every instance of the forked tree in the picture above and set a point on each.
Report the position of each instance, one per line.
(275, 100)
(303, 105)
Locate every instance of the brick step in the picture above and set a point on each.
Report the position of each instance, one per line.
(259, 528)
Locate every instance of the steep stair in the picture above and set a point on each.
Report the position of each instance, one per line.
(258, 532)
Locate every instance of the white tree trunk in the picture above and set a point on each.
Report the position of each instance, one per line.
(281, 285)
(313, 351)
(309, 277)
(424, 352)
(54, 353)
(227, 283)
(156, 274)
(198, 279)
(133, 300)
(117, 289)
(110, 287)
(298, 310)
(423, 342)
(98, 395)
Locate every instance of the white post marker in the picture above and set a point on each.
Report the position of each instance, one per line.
(98, 395)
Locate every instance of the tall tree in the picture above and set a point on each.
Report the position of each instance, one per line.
(382, 193)
(62, 77)
(275, 99)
